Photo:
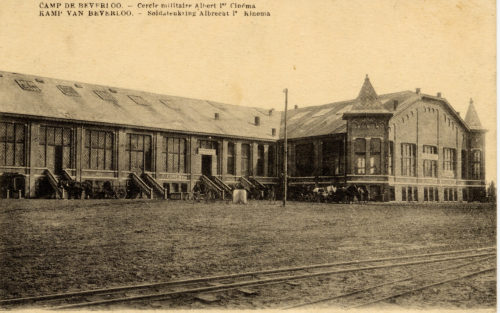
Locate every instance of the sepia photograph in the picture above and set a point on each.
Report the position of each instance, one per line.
(262, 155)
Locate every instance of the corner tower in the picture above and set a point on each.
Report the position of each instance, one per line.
(476, 153)
(368, 142)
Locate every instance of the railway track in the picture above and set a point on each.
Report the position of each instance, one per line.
(389, 290)
(217, 284)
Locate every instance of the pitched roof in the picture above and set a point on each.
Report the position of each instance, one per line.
(54, 98)
(367, 101)
(327, 119)
(471, 118)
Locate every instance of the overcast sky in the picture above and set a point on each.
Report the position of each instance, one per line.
(320, 50)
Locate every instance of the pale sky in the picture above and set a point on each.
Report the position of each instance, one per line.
(320, 50)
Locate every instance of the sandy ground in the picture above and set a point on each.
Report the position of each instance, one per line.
(50, 246)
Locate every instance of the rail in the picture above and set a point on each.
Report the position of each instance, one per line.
(246, 183)
(256, 182)
(225, 187)
(149, 180)
(66, 175)
(54, 183)
(165, 290)
(211, 185)
(142, 185)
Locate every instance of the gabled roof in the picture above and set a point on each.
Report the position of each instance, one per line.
(471, 118)
(53, 98)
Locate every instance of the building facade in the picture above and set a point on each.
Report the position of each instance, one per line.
(404, 146)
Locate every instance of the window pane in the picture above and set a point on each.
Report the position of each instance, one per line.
(86, 159)
(19, 154)
(58, 136)
(109, 140)
(50, 155)
(66, 157)
(133, 142)
(182, 146)
(140, 143)
(170, 162)
(359, 145)
(109, 159)
(182, 166)
(176, 163)
(3, 132)
(176, 146)
(87, 138)
(2, 153)
(19, 133)
(10, 132)
(101, 139)
(67, 137)
(375, 145)
(94, 158)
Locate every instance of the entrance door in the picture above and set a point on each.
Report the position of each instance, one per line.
(58, 159)
(206, 165)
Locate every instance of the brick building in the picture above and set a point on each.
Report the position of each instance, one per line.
(404, 146)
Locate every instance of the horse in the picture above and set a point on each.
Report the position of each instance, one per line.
(351, 193)
(364, 194)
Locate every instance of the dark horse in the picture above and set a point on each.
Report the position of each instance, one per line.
(352, 192)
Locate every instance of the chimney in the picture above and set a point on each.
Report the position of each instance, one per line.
(216, 116)
(417, 91)
(439, 95)
(396, 103)
(257, 121)
(271, 112)
(273, 131)
(296, 107)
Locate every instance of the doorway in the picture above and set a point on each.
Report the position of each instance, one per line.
(58, 159)
(206, 165)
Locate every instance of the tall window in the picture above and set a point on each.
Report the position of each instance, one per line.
(12, 152)
(98, 152)
(360, 156)
(139, 152)
(260, 160)
(390, 158)
(464, 164)
(245, 159)
(408, 159)
(174, 154)
(304, 159)
(55, 147)
(333, 157)
(449, 161)
(375, 150)
(271, 159)
(230, 158)
(476, 164)
(430, 161)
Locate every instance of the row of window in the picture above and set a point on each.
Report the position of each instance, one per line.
(430, 162)
(431, 194)
(56, 151)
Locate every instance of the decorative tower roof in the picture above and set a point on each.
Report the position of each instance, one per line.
(471, 118)
(367, 101)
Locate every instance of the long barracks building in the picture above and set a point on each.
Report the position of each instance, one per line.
(403, 146)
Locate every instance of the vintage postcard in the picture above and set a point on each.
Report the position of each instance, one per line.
(248, 155)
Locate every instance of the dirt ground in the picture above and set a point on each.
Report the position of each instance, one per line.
(49, 246)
